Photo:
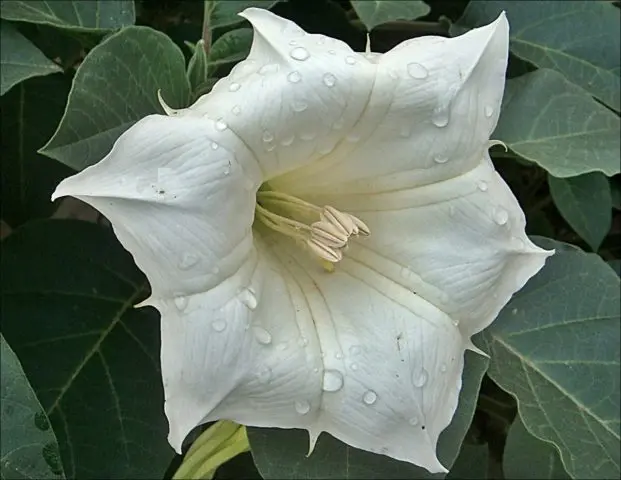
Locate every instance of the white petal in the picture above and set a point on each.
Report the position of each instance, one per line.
(434, 105)
(292, 100)
(180, 196)
(460, 244)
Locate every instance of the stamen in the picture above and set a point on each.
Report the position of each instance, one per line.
(323, 251)
(328, 234)
(341, 220)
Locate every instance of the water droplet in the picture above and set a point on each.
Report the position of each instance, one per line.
(353, 137)
(420, 378)
(285, 142)
(299, 53)
(315, 370)
(218, 325)
(269, 68)
(282, 346)
(293, 43)
(455, 322)
(332, 381)
(500, 215)
(236, 110)
(302, 341)
(215, 270)
(221, 125)
(482, 185)
(233, 87)
(268, 136)
(329, 80)
(338, 356)
(264, 375)
(355, 350)
(392, 74)
(321, 39)
(299, 106)
(331, 52)
(302, 407)
(514, 311)
(308, 136)
(248, 298)
(294, 77)
(354, 366)
(443, 368)
(440, 159)
(369, 397)
(181, 303)
(350, 60)
(325, 149)
(440, 117)
(413, 421)
(263, 336)
(41, 421)
(417, 71)
(188, 260)
(214, 146)
(488, 111)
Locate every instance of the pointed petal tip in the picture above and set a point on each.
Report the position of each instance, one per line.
(473, 348)
(312, 441)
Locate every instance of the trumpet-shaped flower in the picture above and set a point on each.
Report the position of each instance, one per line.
(323, 233)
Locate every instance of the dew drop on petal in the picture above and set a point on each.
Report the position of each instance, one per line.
(181, 303)
(248, 298)
(221, 125)
(236, 110)
(218, 325)
(269, 68)
(514, 311)
(302, 341)
(440, 159)
(355, 350)
(308, 136)
(482, 185)
(299, 106)
(282, 346)
(331, 52)
(293, 43)
(268, 136)
(188, 260)
(353, 137)
(329, 80)
(263, 336)
(350, 60)
(413, 421)
(325, 149)
(369, 397)
(215, 270)
(440, 117)
(455, 322)
(488, 111)
(443, 368)
(285, 142)
(354, 366)
(264, 375)
(332, 381)
(315, 370)
(338, 356)
(420, 378)
(233, 87)
(417, 71)
(500, 216)
(299, 53)
(302, 407)
(294, 77)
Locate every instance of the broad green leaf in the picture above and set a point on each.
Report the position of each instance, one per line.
(282, 453)
(29, 114)
(231, 47)
(555, 124)
(20, 59)
(68, 290)
(197, 66)
(585, 203)
(219, 13)
(471, 463)
(376, 12)
(71, 14)
(526, 457)
(114, 87)
(555, 347)
(28, 445)
(579, 39)
(615, 192)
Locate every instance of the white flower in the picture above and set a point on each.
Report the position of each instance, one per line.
(285, 314)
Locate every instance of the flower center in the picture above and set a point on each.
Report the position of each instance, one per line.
(325, 231)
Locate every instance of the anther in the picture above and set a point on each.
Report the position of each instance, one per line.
(328, 234)
(341, 220)
(323, 251)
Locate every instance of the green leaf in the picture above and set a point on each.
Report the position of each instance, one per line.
(28, 445)
(585, 203)
(114, 87)
(579, 39)
(78, 15)
(376, 12)
(219, 13)
(197, 66)
(29, 114)
(68, 290)
(20, 59)
(555, 347)
(231, 47)
(282, 453)
(471, 464)
(526, 457)
(551, 122)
